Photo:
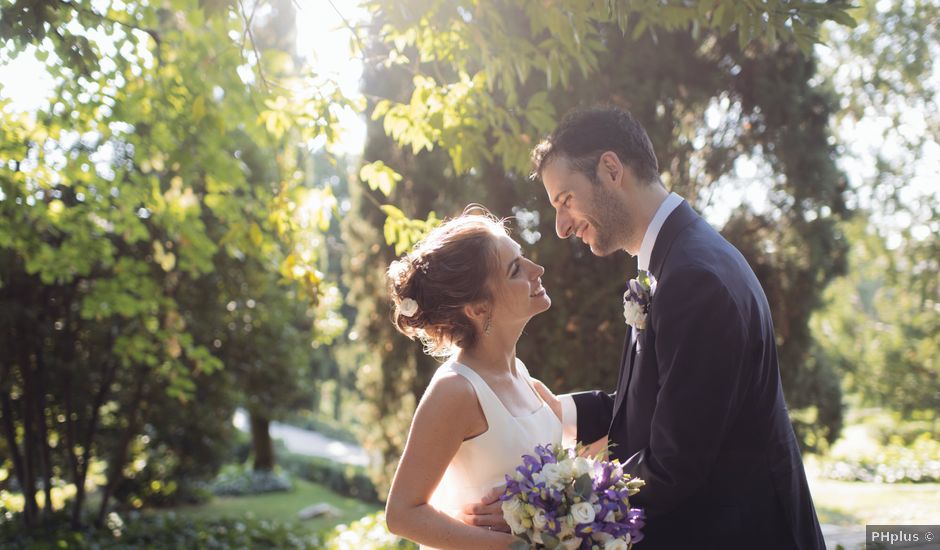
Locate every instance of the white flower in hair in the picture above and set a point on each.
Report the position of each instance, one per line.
(408, 307)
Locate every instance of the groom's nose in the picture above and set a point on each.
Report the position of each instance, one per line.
(562, 224)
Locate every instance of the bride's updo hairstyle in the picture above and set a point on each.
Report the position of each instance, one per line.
(447, 270)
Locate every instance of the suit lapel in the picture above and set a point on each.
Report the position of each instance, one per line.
(626, 368)
(681, 217)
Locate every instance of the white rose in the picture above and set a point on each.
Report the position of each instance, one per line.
(610, 518)
(538, 520)
(563, 468)
(583, 512)
(616, 544)
(634, 315)
(515, 524)
(571, 544)
(581, 466)
(511, 506)
(601, 537)
(512, 513)
(408, 307)
(567, 526)
(552, 475)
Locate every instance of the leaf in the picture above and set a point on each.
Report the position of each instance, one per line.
(199, 108)
(843, 18)
(519, 544)
(550, 541)
(255, 234)
(582, 486)
(379, 177)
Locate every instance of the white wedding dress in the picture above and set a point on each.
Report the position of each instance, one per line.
(482, 463)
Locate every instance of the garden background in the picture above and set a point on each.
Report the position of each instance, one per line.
(198, 201)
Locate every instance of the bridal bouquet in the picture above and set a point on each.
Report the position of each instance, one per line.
(559, 500)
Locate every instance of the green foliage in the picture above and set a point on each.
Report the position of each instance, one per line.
(379, 177)
(163, 531)
(403, 232)
(162, 183)
(881, 328)
(369, 532)
(880, 320)
(478, 61)
(895, 462)
(236, 480)
(343, 479)
(467, 91)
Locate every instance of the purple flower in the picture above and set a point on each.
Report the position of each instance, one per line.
(546, 453)
(602, 494)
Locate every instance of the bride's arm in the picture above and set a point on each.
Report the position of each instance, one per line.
(448, 413)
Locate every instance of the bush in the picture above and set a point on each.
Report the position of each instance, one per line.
(169, 530)
(369, 532)
(895, 462)
(344, 479)
(239, 480)
(160, 531)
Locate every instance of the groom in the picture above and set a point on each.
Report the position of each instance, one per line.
(698, 411)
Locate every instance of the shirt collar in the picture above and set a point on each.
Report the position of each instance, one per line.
(652, 231)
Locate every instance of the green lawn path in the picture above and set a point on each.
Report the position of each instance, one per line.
(849, 503)
(282, 507)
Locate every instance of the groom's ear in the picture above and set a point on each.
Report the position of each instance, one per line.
(610, 169)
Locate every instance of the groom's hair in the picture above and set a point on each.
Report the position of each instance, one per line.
(584, 135)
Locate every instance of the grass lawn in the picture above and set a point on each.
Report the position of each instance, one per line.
(853, 504)
(849, 503)
(282, 507)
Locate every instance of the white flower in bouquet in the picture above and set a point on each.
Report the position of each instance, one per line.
(512, 513)
(552, 475)
(538, 520)
(581, 466)
(559, 499)
(582, 512)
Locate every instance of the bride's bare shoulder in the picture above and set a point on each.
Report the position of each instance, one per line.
(449, 386)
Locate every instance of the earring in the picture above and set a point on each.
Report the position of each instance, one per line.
(487, 324)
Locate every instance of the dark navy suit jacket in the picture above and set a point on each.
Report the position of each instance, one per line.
(699, 412)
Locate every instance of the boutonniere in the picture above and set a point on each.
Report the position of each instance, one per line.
(637, 299)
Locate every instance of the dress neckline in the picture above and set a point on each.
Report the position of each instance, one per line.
(525, 416)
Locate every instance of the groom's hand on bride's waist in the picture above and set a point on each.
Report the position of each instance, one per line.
(487, 513)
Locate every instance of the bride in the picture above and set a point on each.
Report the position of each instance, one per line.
(466, 291)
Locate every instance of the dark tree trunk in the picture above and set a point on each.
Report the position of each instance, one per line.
(18, 466)
(261, 444)
(338, 401)
(116, 469)
(30, 507)
(45, 454)
(80, 468)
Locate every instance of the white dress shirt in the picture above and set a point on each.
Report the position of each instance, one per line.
(569, 411)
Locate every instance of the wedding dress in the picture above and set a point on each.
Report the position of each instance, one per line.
(482, 462)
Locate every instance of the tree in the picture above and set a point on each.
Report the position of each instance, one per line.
(119, 198)
(483, 81)
(879, 322)
(881, 330)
